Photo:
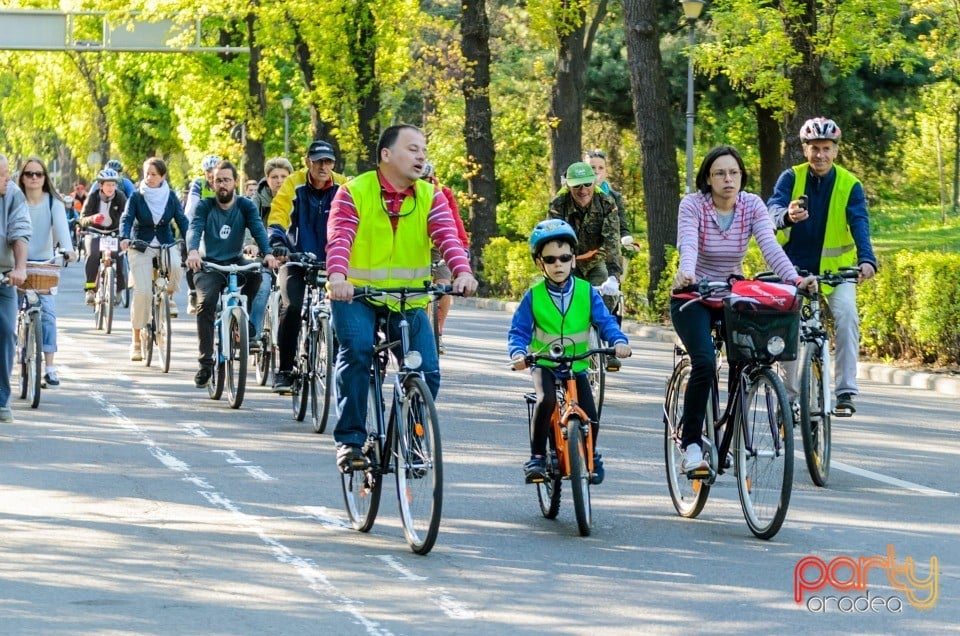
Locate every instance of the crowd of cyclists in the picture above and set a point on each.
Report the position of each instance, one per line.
(398, 226)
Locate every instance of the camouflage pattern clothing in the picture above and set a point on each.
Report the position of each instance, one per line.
(597, 228)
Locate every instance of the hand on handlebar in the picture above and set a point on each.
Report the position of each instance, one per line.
(683, 279)
(17, 276)
(194, 261)
(622, 350)
(465, 284)
(808, 285)
(518, 363)
(341, 290)
(867, 271)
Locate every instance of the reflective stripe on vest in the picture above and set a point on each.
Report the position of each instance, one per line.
(839, 249)
(382, 257)
(550, 325)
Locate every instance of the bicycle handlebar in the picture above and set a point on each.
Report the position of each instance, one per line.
(229, 269)
(556, 354)
(305, 260)
(140, 245)
(428, 289)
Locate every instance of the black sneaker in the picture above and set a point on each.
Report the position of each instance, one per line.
(350, 458)
(283, 383)
(202, 379)
(535, 470)
(596, 477)
(845, 407)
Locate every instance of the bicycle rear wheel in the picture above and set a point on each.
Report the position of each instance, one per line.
(161, 331)
(764, 454)
(815, 415)
(263, 359)
(419, 465)
(99, 306)
(215, 386)
(689, 496)
(597, 372)
(321, 388)
(34, 360)
(579, 475)
(238, 349)
(124, 266)
(361, 489)
(109, 298)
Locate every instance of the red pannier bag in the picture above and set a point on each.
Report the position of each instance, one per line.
(762, 322)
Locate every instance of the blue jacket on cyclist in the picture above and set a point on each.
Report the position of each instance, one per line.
(306, 230)
(139, 223)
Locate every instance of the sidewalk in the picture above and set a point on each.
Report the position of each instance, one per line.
(941, 383)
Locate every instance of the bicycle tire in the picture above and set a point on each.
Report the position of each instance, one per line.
(215, 386)
(597, 372)
(689, 496)
(361, 489)
(124, 293)
(21, 354)
(549, 490)
(765, 471)
(98, 302)
(147, 334)
(111, 300)
(435, 321)
(417, 451)
(161, 333)
(34, 360)
(299, 392)
(263, 359)
(579, 475)
(815, 415)
(322, 383)
(238, 350)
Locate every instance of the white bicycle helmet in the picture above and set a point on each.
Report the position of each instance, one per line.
(209, 162)
(819, 128)
(108, 174)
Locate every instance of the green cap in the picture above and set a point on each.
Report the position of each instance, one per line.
(580, 173)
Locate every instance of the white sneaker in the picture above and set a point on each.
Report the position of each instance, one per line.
(174, 312)
(136, 352)
(693, 459)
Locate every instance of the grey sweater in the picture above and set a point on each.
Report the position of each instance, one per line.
(14, 224)
(218, 233)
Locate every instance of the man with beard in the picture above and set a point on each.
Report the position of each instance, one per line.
(216, 235)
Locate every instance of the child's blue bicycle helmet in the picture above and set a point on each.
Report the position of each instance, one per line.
(551, 230)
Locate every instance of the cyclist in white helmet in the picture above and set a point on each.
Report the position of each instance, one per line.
(201, 188)
(821, 210)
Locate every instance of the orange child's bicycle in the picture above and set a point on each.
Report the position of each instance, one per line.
(570, 440)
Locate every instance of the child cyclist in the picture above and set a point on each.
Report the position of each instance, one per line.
(559, 308)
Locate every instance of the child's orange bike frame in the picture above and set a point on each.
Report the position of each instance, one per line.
(570, 456)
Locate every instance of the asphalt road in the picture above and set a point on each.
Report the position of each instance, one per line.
(131, 503)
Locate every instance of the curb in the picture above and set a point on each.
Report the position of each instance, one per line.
(937, 382)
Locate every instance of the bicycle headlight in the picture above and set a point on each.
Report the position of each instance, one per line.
(413, 359)
(776, 345)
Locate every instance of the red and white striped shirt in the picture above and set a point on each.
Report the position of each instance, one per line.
(708, 252)
(343, 222)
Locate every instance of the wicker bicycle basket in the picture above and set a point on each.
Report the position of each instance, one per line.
(42, 278)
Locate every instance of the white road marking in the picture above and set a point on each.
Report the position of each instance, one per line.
(449, 605)
(327, 519)
(193, 429)
(258, 473)
(231, 456)
(406, 574)
(893, 481)
(307, 569)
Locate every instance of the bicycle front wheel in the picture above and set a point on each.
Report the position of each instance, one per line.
(597, 372)
(764, 454)
(238, 348)
(99, 306)
(689, 496)
(124, 293)
(579, 475)
(321, 387)
(815, 415)
(361, 488)
(34, 360)
(148, 335)
(110, 298)
(263, 359)
(161, 331)
(419, 465)
(299, 389)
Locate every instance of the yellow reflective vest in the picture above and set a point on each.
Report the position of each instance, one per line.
(839, 249)
(382, 257)
(549, 325)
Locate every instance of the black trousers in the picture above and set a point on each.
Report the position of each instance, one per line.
(292, 284)
(544, 384)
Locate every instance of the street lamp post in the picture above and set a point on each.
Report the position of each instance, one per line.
(691, 10)
(286, 102)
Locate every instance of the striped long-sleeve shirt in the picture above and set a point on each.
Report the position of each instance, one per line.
(342, 228)
(709, 252)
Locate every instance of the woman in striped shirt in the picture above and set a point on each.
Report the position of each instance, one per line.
(714, 227)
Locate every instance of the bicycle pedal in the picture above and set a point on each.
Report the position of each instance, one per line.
(842, 414)
(704, 474)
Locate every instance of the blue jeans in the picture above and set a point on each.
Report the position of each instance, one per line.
(355, 324)
(258, 308)
(48, 320)
(8, 339)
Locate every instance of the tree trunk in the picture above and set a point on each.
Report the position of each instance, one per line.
(652, 114)
(361, 30)
(257, 104)
(768, 129)
(566, 100)
(478, 128)
(320, 128)
(807, 81)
